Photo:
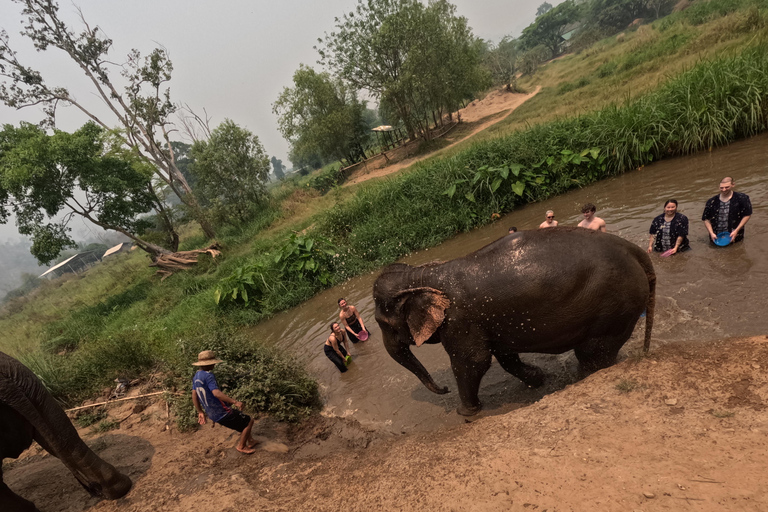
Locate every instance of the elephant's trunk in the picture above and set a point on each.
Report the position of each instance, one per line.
(403, 355)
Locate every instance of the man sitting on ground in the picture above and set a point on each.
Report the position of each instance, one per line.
(207, 395)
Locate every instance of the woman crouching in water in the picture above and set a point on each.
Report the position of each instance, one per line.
(336, 348)
(669, 231)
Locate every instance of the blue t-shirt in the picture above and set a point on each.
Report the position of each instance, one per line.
(203, 383)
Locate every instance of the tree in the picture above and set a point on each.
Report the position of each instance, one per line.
(278, 167)
(47, 180)
(500, 60)
(614, 15)
(142, 110)
(543, 9)
(321, 116)
(413, 57)
(231, 171)
(547, 30)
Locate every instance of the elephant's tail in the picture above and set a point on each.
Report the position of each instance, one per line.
(650, 306)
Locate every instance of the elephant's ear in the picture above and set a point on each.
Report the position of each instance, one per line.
(424, 312)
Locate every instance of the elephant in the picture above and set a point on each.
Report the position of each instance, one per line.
(543, 291)
(28, 412)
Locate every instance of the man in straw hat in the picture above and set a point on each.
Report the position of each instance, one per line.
(207, 395)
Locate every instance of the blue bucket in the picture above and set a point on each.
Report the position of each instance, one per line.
(723, 239)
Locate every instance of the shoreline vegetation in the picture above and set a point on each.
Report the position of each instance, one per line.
(117, 320)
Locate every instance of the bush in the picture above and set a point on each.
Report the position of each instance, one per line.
(326, 179)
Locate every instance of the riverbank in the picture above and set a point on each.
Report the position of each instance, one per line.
(121, 321)
(684, 427)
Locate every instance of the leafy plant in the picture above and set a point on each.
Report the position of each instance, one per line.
(303, 255)
(106, 426)
(246, 283)
(89, 418)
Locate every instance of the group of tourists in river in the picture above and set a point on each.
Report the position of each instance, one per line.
(725, 216)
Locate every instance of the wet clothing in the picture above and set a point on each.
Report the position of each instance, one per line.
(353, 324)
(203, 383)
(235, 420)
(334, 357)
(667, 232)
(725, 216)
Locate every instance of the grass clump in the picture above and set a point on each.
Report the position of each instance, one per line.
(90, 418)
(721, 413)
(105, 426)
(626, 385)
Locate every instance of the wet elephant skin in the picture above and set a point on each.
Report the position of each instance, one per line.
(545, 291)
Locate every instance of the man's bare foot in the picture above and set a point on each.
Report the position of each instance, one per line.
(251, 443)
(246, 450)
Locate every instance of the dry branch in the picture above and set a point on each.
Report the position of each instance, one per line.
(169, 263)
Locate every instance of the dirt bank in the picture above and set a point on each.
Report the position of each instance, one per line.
(684, 429)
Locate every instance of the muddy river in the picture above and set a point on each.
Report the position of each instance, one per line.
(704, 294)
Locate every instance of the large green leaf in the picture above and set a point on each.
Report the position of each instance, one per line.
(518, 187)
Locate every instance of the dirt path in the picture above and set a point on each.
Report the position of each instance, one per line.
(493, 103)
(684, 429)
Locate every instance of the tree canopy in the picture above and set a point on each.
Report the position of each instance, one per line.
(47, 180)
(231, 170)
(278, 168)
(321, 116)
(416, 58)
(547, 30)
(141, 110)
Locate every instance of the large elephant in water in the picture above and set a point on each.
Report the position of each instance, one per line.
(28, 412)
(546, 291)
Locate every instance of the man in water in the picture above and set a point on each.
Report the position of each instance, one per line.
(512, 229)
(550, 222)
(727, 212)
(590, 220)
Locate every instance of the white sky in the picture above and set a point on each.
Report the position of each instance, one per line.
(232, 58)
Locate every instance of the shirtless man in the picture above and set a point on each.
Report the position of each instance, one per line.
(590, 221)
(550, 222)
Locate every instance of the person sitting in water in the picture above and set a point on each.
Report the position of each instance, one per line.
(669, 231)
(336, 348)
(590, 221)
(351, 320)
(512, 229)
(550, 222)
(727, 212)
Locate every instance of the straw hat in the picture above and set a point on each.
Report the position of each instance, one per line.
(207, 357)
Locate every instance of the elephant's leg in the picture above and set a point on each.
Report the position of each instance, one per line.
(11, 501)
(599, 353)
(530, 375)
(469, 371)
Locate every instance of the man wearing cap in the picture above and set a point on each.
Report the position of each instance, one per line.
(727, 212)
(207, 396)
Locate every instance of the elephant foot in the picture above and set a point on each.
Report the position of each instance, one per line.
(469, 410)
(531, 376)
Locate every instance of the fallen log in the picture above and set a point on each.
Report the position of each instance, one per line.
(167, 264)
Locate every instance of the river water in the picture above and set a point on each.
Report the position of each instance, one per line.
(704, 294)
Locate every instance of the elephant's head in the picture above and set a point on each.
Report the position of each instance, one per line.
(408, 315)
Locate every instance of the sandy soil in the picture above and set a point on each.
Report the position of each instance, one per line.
(683, 429)
(497, 101)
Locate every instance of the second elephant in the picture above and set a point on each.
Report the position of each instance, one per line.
(28, 412)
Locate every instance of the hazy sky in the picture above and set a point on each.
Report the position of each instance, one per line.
(232, 58)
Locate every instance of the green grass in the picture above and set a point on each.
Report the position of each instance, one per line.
(627, 99)
(626, 385)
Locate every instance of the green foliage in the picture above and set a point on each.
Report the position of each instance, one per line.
(231, 169)
(548, 28)
(89, 418)
(246, 283)
(106, 425)
(43, 179)
(322, 116)
(566, 87)
(307, 257)
(381, 47)
(326, 179)
(501, 59)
